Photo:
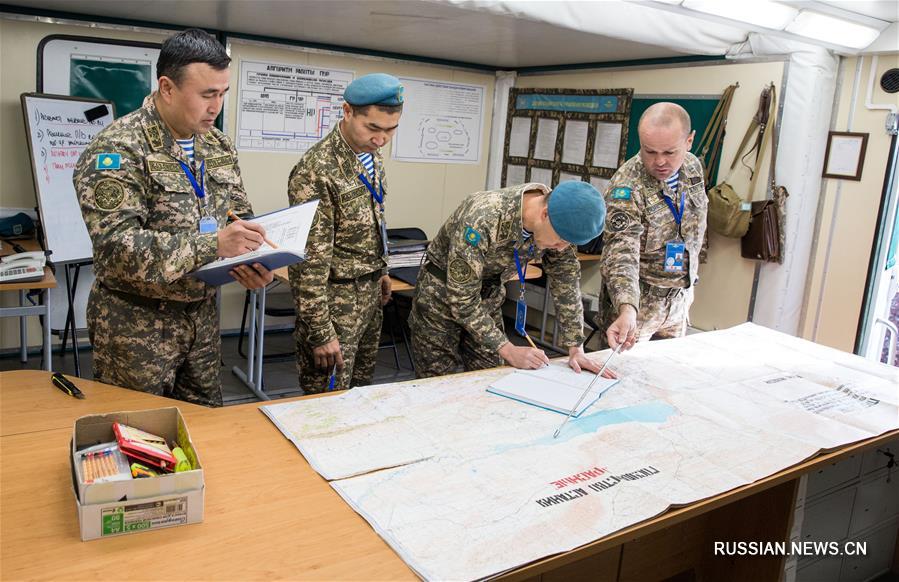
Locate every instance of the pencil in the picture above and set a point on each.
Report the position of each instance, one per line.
(268, 242)
(530, 341)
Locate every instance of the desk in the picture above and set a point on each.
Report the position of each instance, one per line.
(270, 516)
(23, 311)
(252, 376)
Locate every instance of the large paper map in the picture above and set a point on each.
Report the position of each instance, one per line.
(464, 484)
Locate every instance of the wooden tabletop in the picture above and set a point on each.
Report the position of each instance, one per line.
(49, 280)
(268, 515)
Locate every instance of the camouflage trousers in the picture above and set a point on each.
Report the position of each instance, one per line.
(166, 350)
(441, 346)
(356, 314)
(661, 315)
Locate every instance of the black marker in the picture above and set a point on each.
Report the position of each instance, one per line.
(65, 385)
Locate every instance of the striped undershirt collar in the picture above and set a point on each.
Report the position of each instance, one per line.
(673, 180)
(187, 145)
(368, 161)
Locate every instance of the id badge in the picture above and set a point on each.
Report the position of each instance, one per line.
(521, 315)
(674, 257)
(208, 225)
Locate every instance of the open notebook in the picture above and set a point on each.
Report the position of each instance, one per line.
(287, 228)
(555, 387)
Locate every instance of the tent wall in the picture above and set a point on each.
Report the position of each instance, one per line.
(847, 214)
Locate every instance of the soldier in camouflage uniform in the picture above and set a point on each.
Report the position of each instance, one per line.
(456, 317)
(343, 283)
(153, 328)
(657, 219)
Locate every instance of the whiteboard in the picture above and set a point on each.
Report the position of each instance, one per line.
(57, 131)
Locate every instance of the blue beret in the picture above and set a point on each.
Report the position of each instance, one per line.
(576, 211)
(374, 89)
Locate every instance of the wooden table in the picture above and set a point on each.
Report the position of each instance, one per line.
(24, 310)
(270, 516)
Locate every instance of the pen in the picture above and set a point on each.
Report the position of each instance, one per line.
(533, 345)
(235, 218)
(333, 378)
(66, 385)
(567, 418)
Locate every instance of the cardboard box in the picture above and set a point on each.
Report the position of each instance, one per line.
(120, 507)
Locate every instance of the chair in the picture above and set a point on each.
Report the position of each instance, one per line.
(392, 318)
(274, 307)
(589, 317)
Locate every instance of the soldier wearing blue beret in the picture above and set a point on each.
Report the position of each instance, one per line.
(340, 288)
(456, 318)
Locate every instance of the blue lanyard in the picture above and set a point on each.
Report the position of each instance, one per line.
(199, 187)
(378, 197)
(522, 272)
(677, 215)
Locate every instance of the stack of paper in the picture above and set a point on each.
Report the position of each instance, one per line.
(405, 253)
(555, 387)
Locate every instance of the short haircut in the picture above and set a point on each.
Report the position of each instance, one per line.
(188, 47)
(666, 114)
(363, 109)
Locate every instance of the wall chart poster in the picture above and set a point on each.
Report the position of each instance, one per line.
(554, 135)
(442, 122)
(287, 108)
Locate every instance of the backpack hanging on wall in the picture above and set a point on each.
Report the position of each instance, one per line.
(729, 213)
(764, 240)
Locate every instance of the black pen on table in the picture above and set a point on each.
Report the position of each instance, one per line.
(66, 385)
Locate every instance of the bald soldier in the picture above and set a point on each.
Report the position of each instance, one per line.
(657, 219)
(456, 317)
(155, 189)
(340, 288)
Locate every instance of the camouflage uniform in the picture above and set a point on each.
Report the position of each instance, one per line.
(152, 327)
(456, 316)
(638, 226)
(336, 289)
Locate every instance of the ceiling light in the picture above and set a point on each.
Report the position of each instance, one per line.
(762, 13)
(833, 30)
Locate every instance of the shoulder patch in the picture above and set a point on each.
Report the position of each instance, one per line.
(154, 135)
(459, 271)
(109, 194)
(108, 161)
(472, 236)
(618, 221)
(621, 193)
(170, 167)
(219, 161)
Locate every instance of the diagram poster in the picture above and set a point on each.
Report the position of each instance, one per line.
(442, 122)
(287, 108)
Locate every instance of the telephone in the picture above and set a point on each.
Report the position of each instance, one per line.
(22, 267)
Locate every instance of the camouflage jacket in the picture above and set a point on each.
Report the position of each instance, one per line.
(475, 247)
(345, 239)
(639, 223)
(141, 211)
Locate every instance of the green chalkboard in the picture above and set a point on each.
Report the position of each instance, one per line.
(125, 84)
(699, 108)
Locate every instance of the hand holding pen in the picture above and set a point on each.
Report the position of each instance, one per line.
(251, 226)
